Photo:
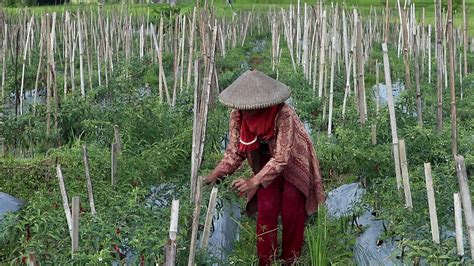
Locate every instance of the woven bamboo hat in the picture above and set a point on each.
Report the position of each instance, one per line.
(254, 90)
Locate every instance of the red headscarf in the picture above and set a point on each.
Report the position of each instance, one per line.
(258, 126)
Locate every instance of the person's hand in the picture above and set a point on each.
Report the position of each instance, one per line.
(210, 179)
(245, 185)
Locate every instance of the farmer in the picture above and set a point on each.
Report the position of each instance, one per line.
(287, 178)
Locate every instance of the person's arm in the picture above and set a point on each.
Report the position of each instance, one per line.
(283, 147)
(233, 157)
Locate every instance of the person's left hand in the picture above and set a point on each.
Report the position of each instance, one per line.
(245, 185)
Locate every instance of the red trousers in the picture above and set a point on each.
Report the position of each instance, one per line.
(280, 197)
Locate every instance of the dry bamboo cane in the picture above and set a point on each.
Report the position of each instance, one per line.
(465, 199)
(454, 146)
(181, 73)
(81, 51)
(157, 50)
(66, 54)
(431, 203)
(360, 75)
(196, 214)
(85, 158)
(439, 68)
(75, 225)
(40, 60)
(176, 52)
(191, 48)
(391, 110)
(429, 53)
(196, 131)
(210, 212)
(377, 88)
(4, 61)
(458, 224)
(62, 188)
(170, 256)
(298, 32)
(331, 90)
(321, 55)
(113, 167)
(416, 58)
(406, 55)
(25, 51)
(464, 36)
(405, 177)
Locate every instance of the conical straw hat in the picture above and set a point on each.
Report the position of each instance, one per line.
(254, 90)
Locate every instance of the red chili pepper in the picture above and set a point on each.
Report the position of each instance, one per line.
(117, 249)
(117, 231)
(23, 260)
(142, 260)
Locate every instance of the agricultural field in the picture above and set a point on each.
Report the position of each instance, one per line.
(110, 116)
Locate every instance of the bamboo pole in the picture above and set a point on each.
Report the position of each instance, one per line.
(429, 53)
(321, 55)
(81, 51)
(113, 168)
(191, 47)
(454, 146)
(75, 225)
(391, 110)
(465, 199)
(25, 51)
(360, 75)
(464, 36)
(333, 60)
(416, 58)
(458, 224)
(431, 203)
(194, 228)
(406, 58)
(62, 188)
(439, 67)
(170, 256)
(85, 158)
(207, 225)
(405, 178)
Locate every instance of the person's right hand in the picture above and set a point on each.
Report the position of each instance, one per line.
(210, 179)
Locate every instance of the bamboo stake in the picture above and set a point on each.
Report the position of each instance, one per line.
(113, 171)
(464, 36)
(454, 146)
(62, 188)
(25, 51)
(439, 68)
(465, 199)
(405, 178)
(333, 59)
(321, 55)
(85, 158)
(377, 88)
(405, 50)
(458, 224)
(429, 53)
(4, 61)
(374, 134)
(416, 58)
(391, 111)
(170, 257)
(196, 214)
(117, 138)
(360, 64)
(208, 222)
(431, 203)
(75, 225)
(191, 47)
(81, 51)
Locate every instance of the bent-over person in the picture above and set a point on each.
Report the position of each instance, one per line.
(287, 179)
